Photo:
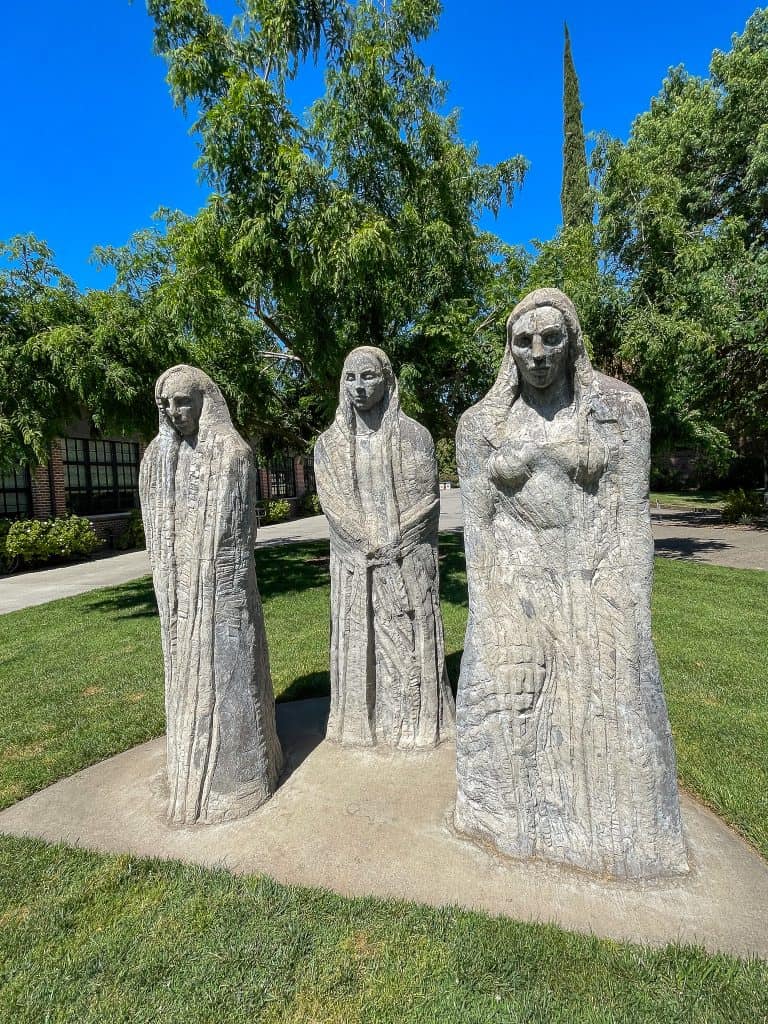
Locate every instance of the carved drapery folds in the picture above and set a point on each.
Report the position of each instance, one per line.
(564, 749)
(197, 489)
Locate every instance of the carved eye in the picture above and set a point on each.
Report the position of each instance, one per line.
(523, 341)
(350, 376)
(551, 338)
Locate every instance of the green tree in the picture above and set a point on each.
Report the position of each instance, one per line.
(682, 223)
(64, 354)
(570, 260)
(575, 195)
(354, 224)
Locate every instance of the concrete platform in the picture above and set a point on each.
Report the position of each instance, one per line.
(366, 823)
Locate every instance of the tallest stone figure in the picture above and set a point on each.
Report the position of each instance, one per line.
(564, 749)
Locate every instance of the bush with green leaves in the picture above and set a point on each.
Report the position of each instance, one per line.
(311, 504)
(37, 541)
(279, 510)
(445, 453)
(743, 506)
(133, 535)
(6, 561)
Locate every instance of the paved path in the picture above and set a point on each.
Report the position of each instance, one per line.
(678, 534)
(367, 822)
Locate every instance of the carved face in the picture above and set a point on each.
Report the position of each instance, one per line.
(540, 346)
(364, 381)
(182, 403)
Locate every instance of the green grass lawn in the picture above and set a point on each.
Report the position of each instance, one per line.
(90, 938)
(710, 500)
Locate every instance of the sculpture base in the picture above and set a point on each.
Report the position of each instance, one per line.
(373, 822)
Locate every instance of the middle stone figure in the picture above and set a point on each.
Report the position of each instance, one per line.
(376, 479)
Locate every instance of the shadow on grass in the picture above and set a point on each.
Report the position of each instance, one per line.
(453, 665)
(453, 571)
(315, 684)
(292, 568)
(134, 600)
(281, 570)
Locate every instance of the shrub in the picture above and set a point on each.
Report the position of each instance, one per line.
(6, 560)
(445, 453)
(37, 541)
(742, 506)
(278, 510)
(133, 535)
(311, 504)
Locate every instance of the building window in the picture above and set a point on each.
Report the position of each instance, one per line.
(101, 476)
(309, 475)
(282, 478)
(15, 495)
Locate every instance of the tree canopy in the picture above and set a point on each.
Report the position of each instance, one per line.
(355, 224)
(575, 196)
(683, 207)
(62, 351)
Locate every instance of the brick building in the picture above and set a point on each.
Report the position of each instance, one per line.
(98, 477)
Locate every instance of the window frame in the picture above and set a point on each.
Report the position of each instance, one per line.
(286, 487)
(16, 489)
(99, 467)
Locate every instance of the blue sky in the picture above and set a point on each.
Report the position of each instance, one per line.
(93, 145)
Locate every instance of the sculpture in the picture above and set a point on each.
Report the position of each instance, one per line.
(563, 743)
(377, 482)
(197, 489)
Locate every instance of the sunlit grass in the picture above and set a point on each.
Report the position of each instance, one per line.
(96, 939)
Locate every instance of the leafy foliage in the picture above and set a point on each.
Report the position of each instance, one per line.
(352, 225)
(741, 505)
(62, 351)
(575, 196)
(133, 534)
(672, 290)
(37, 541)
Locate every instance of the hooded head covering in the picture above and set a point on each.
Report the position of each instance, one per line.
(390, 419)
(214, 411)
(506, 389)
(345, 414)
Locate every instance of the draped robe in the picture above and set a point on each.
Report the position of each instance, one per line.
(223, 753)
(388, 680)
(564, 750)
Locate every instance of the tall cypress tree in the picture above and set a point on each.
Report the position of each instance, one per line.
(575, 198)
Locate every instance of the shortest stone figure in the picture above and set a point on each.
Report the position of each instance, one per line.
(197, 490)
(377, 482)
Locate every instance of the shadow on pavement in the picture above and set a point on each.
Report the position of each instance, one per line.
(687, 547)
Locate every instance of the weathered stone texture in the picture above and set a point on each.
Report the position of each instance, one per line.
(564, 749)
(197, 488)
(376, 479)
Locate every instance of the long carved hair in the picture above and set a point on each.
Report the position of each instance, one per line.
(390, 421)
(506, 389)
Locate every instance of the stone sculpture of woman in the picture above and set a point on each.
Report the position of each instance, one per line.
(377, 482)
(197, 489)
(563, 742)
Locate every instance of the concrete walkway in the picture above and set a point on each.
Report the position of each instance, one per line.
(367, 822)
(678, 534)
